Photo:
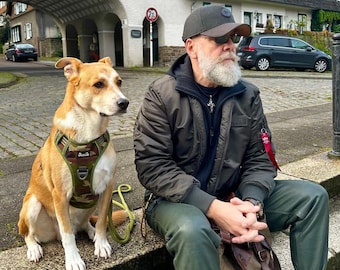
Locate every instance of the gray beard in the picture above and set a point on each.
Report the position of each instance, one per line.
(226, 75)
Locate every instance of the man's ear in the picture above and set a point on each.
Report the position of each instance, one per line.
(191, 48)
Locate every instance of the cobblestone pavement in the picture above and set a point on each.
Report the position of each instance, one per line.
(27, 108)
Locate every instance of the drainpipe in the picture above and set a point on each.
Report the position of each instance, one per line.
(335, 153)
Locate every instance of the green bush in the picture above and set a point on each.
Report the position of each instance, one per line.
(320, 40)
(3, 34)
(336, 28)
(58, 53)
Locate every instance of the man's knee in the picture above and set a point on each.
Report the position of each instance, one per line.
(196, 230)
(315, 192)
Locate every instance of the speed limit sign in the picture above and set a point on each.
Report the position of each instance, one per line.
(151, 14)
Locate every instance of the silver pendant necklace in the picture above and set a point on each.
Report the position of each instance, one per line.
(211, 104)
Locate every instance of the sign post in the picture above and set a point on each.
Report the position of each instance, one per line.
(151, 16)
(335, 153)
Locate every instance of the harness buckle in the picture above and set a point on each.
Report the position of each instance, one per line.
(82, 173)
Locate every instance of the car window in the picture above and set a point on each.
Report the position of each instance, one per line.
(24, 46)
(264, 41)
(299, 44)
(277, 42)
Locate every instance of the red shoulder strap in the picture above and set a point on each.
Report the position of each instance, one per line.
(268, 147)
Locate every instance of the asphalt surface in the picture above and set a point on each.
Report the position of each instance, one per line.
(298, 106)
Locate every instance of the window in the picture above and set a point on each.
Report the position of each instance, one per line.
(302, 22)
(298, 44)
(247, 18)
(277, 42)
(280, 42)
(277, 21)
(16, 34)
(264, 41)
(28, 31)
(19, 8)
(258, 18)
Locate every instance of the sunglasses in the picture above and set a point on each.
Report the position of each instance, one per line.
(224, 39)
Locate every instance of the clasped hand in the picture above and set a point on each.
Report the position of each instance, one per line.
(237, 217)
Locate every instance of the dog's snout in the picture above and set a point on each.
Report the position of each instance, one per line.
(123, 103)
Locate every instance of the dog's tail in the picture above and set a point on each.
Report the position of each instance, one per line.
(118, 217)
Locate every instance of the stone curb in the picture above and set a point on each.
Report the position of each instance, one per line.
(149, 253)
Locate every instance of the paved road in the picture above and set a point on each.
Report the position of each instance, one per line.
(26, 109)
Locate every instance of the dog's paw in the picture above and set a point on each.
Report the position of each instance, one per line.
(34, 252)
(74, 261)
(102, 248)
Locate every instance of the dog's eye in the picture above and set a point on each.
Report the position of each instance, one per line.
(99, 85)
(119, 83)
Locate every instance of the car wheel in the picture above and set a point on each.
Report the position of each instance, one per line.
(13, 58)
(262, 64)
(6, 58)
(35, 58)
(320, 65)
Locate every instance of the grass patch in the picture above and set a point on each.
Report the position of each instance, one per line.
(6, 77)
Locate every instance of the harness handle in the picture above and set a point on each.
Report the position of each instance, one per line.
(123, 188)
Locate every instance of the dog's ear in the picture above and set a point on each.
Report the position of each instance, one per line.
(70, 65)
(106, 60)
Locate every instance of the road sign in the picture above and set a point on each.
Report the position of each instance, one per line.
(151, 14)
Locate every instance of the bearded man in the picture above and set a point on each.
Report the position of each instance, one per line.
(198, 140)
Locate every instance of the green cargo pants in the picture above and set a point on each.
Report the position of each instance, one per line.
(300, 205)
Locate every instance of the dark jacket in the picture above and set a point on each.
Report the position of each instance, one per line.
(170, 140)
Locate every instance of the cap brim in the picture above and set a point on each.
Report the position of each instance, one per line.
(223, 29)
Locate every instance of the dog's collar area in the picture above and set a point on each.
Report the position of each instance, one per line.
(82, 160)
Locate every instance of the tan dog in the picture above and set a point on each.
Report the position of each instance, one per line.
(92, 95)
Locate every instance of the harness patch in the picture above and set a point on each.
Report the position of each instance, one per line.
(81, 160)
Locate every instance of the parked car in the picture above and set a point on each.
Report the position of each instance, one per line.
(21, 51)
(266, 51)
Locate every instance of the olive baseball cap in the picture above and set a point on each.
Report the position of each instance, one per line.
(213, 21)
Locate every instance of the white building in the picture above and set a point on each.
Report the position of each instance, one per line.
(120, 28)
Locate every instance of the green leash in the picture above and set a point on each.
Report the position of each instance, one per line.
(123, 188)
